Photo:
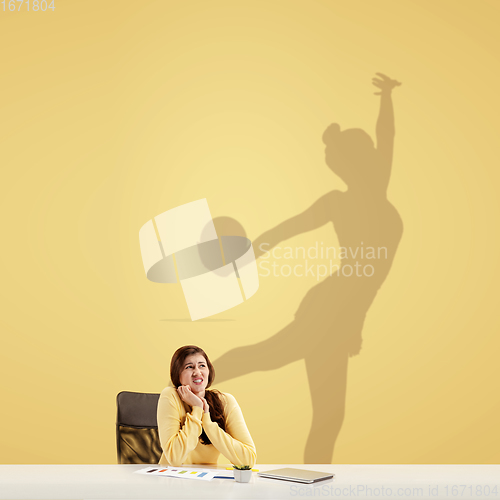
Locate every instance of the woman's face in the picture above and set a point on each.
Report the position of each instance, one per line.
(195, 372)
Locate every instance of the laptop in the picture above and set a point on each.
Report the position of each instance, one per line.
(298, 475)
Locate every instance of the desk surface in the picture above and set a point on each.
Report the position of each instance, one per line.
(351, 481)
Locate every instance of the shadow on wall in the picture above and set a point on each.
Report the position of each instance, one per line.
(327, 327)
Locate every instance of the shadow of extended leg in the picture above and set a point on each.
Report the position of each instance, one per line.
(327, 374)
(281, 349)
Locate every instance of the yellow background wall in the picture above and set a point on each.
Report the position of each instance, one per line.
(113, 112)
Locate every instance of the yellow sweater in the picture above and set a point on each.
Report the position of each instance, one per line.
(180, 427)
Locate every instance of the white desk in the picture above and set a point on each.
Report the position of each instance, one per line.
(351, 481)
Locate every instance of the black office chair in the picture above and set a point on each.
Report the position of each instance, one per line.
(137, 440)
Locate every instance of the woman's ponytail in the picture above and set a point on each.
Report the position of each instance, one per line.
(214, 400)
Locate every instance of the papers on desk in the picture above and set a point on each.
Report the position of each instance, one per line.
(187, 473)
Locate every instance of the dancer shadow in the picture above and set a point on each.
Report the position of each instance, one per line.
(327, 327)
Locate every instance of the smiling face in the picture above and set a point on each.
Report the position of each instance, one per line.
(195, 372)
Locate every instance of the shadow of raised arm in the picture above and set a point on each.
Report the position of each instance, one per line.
(385, 129)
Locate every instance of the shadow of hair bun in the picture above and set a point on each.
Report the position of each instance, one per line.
(331, 133)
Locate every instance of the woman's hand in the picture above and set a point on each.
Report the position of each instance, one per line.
(206, 408)
(188, 396)
(384, 83)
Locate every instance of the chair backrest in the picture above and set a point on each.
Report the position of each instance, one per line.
(137, 440)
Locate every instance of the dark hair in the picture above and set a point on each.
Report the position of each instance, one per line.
(213, 397)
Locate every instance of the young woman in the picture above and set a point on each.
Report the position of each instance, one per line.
(196, 425)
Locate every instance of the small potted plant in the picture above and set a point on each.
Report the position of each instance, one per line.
(242, 473)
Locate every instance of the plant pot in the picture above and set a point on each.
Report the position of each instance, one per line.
(242, 476)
